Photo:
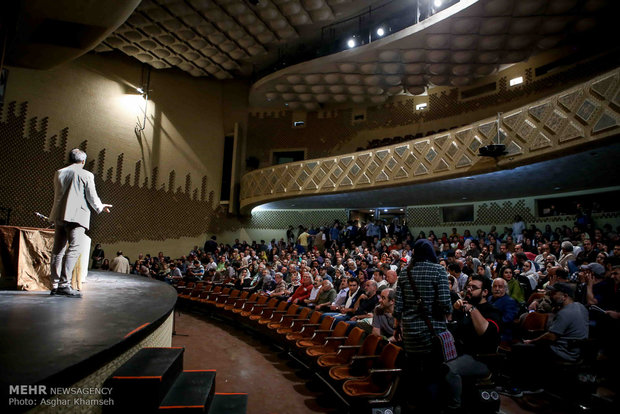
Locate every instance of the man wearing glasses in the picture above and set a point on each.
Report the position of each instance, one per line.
(477, 333)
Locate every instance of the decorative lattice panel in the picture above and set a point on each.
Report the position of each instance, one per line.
(492, 213)
(502, 212)
(544, 128)
(281, 219)
(423, 216)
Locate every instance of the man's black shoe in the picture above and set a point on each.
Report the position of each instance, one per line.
(68, 292)
(53, 291)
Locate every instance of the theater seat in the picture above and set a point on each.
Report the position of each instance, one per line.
(215, 296)
(222, 300)
(296, 323)
(249, 308)
(232, 302)
(274, 315)
(259, 310)
(380, 381)
(333, 342)
(308, 327)
(535, 296)
(285, 319)
(241, 303)
(346, 352)
(534, 324)
(318, 335)
(212, 294)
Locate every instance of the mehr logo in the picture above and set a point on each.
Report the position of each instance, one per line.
(27, 390)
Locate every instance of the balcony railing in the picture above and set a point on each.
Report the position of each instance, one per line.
(541, 130)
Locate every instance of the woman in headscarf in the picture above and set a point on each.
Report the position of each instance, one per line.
(515, 290)
(97, 256)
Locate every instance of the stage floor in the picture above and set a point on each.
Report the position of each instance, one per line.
(44, 337)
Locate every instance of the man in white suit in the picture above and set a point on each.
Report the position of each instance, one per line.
(74, 190)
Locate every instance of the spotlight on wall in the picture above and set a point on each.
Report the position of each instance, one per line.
(437, 3)
(351, 43)
(380, 31)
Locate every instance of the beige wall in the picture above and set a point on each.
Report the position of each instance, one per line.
(93, 99)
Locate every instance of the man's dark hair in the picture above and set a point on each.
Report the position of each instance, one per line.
(521, 256)
(486, 282)
(119, 253)
(561, 274)
(454, 267)
(354, 279)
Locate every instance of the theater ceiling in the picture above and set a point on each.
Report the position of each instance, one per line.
(226, 39)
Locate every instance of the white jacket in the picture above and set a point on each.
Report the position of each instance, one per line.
(74, 190)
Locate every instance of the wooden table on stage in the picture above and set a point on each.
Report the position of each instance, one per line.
(25, 256)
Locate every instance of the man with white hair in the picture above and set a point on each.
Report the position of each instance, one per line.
(506, 305)
(74, 192)
(567, 255)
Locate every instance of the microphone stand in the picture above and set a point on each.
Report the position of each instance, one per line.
(43, 217)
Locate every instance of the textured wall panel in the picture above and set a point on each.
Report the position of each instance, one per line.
(143, 208)
(281, 219)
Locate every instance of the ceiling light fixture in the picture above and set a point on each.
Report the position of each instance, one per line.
(380, 31)
(421, 106)
(351, 43)
(385, 210)
(516, 81)
(140, 90)
(438, 3)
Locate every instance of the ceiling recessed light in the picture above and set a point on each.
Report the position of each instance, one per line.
(385, 210)
(351, 43)
(516, 81)
(556, 188)
(380, 31)
(464, 198)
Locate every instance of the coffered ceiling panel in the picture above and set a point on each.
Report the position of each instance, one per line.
(454, 47)
(219, 38)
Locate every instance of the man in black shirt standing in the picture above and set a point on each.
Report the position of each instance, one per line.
(211, 245)
(478, 333)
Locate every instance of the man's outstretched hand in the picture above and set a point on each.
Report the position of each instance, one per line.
(106, 207)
